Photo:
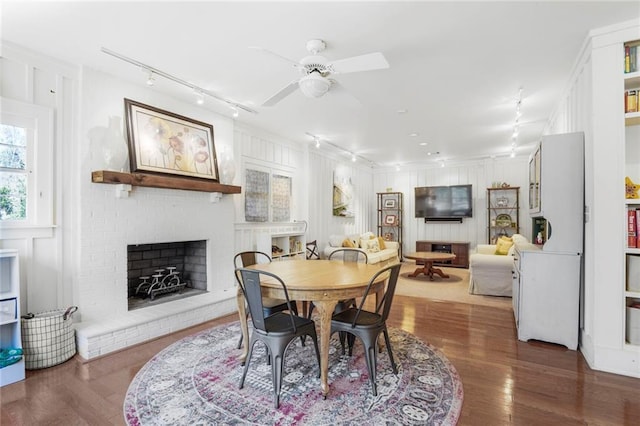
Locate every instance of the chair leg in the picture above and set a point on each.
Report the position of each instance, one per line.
(388, 343)
(370, 351)
(240, 342)
(276, 374)
(246, 363)
(314, 337)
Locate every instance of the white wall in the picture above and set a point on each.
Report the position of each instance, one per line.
(47, 253)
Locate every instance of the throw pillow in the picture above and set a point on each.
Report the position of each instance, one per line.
(348, 243)
(503, 245)
(381, 243)
(372, 246)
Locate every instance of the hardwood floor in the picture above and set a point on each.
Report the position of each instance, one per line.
(506, 382)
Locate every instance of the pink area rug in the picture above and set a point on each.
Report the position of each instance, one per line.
(195, 382)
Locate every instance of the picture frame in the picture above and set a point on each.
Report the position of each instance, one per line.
(389, 204)
(388, 236)
(390, 219)
(166, 143)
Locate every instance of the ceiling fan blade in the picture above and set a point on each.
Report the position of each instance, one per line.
(282, 93)
(368, 62)
(347, 97)
(282, 58)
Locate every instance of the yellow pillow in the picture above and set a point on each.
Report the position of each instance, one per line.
(348, 243)
(503, 245)
(381, 243)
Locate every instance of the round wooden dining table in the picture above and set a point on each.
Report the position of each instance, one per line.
(324, 282)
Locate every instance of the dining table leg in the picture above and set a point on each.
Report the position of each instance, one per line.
(325, 312)
(244, 327)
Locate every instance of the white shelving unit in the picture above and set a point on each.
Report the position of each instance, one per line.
(503, 212)
(10, 336)
(632, 255)
(291, 245)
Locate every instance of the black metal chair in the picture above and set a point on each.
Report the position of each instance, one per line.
(348, 255)
(312, 250)
(277, 330)
(271, 306)
(367, 325)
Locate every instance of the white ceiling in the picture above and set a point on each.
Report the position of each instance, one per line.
(456, 67)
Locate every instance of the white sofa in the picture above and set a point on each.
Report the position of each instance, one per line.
(492, 274)
(390, 254)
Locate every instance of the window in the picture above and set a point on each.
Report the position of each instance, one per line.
(26, 164)
(267, 195)
(13, 172)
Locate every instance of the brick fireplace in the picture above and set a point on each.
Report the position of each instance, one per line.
(162, 272)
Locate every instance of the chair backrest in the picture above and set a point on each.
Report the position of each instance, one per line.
(312, 250)
(248, 258)
(249, 281)
(350, 255)
(385, 302)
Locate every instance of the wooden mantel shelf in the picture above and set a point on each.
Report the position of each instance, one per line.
(157, 181)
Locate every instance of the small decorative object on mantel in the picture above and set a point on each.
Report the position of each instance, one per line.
(108, 148)
(505, 185)
(631, 189)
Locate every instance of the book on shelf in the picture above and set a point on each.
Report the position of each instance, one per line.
(632, 229)
(631, 57)
(631, 100)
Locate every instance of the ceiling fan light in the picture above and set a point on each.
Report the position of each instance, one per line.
(314, 85)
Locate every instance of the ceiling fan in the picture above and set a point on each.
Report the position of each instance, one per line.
(316, 70)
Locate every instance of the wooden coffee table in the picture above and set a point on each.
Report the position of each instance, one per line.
(428, 257)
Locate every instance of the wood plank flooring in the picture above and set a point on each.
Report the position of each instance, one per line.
(506, 382)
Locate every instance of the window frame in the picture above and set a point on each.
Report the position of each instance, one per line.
(39, 122)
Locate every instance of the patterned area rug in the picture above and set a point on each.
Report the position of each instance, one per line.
(195, 382)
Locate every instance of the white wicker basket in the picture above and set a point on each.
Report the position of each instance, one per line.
(48, 338)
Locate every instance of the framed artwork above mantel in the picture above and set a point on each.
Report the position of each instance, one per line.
(166, 143)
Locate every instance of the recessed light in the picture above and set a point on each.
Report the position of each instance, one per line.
(402, 111)
(414, 134)
(423, 144)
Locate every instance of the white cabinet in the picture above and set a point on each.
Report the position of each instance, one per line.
(546, 295)
(558, 165)
(282, 246)
(547, 276)
(10, 336)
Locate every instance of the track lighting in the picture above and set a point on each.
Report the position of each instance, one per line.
(199, 98)
(150, 79)
(235, 113)
(153, 72)
(354, 157)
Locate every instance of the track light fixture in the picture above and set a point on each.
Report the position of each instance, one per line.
(156, 72)
(354, 157)
(516, 125)
(150, 79)
(199, 98)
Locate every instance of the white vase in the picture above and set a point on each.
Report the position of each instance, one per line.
(227, 167)
(114, 151)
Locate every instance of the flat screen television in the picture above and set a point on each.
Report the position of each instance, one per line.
(444, 202)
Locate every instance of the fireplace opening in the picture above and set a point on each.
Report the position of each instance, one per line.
(163, 272)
